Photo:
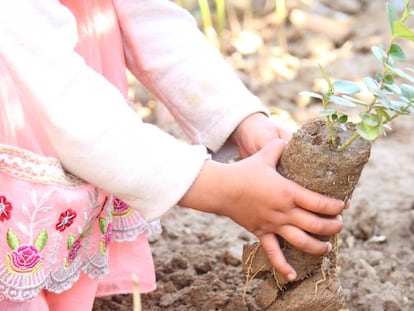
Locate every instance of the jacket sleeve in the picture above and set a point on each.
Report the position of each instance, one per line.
(172, 58)
(95, 135)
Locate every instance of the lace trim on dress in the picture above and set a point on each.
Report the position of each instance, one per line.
(32, 167)
(38, 256)
(51, 232)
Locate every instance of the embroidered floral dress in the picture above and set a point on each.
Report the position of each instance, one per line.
(53, 225)
(57, 109)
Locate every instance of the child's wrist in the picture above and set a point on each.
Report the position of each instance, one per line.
(205, 194)
(246, 126)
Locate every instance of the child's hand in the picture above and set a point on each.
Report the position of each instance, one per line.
(255, 131)
(257, 197)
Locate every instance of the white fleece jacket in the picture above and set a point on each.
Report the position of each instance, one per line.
(103, 141)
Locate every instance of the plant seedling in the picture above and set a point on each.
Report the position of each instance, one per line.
(318, 157)
(388, 99)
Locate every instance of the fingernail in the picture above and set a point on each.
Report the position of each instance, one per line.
(340, 217)
(329, 247)
(291, 276)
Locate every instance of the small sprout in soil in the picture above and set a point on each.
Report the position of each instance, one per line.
(388, 98)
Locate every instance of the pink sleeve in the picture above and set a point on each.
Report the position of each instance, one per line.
(95, 135)
(172, 58)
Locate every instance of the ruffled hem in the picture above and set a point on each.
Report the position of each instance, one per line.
(22, 287)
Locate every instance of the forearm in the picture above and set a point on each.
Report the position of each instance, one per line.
(84, 118)
(168, 53)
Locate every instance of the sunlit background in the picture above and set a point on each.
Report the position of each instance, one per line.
(276, 47)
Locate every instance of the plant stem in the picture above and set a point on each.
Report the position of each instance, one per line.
(325, 101)
(332, 132)
(349, 141)
(209, 30)
(205, 14)
(221, 16)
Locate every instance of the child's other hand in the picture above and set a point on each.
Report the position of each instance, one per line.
(256, 131)
(271, 204)
(253, 194)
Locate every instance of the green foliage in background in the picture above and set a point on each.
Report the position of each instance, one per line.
(213, 15)
(210, 15)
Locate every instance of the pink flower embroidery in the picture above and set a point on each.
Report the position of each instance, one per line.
(5, 208)
(107, 236)
(65, 220)
(120, 207)
(74, 250)
(25, 258)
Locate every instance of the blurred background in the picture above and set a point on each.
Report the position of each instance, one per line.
(276, 46)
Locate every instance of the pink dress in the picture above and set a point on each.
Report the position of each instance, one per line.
(58, 233)
(57, 230)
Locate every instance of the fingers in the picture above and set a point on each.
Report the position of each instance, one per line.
(314, 223)
(347, 203)
(303, 241)
(302, 197)
(272, 151)
(284, 132)
(273, 252)
(315, 202)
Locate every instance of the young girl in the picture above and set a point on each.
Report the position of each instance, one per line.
(83, 179)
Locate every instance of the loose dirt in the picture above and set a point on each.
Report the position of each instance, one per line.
(198, 256)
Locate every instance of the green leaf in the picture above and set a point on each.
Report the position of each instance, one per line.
(343, 119)
(403, 31)
(12, 239)
(341, 101)
(102, 224)
(390, 62)
(41, 240)
(378, 76)
(86, 231)
(311, 94)
(389, 79)
(407, 91)
(71, 240)
(383, 115)
(392, 16)
(399, 72)
(346, 87)
(355, 100)
(379, 53)
(399, 106)
(397, 53)
(373, 87)
(327, 112)
(326, 77)
(369, 119)
(385, 103)
(368, 132)
(393, 88)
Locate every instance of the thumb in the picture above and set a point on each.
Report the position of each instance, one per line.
(273, 150)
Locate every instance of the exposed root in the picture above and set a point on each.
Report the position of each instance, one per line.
(335, 250)
(328, 262)
(320, 281)
(277, 280)
(249, 275)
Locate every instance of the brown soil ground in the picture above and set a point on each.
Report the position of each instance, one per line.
(198, 256)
